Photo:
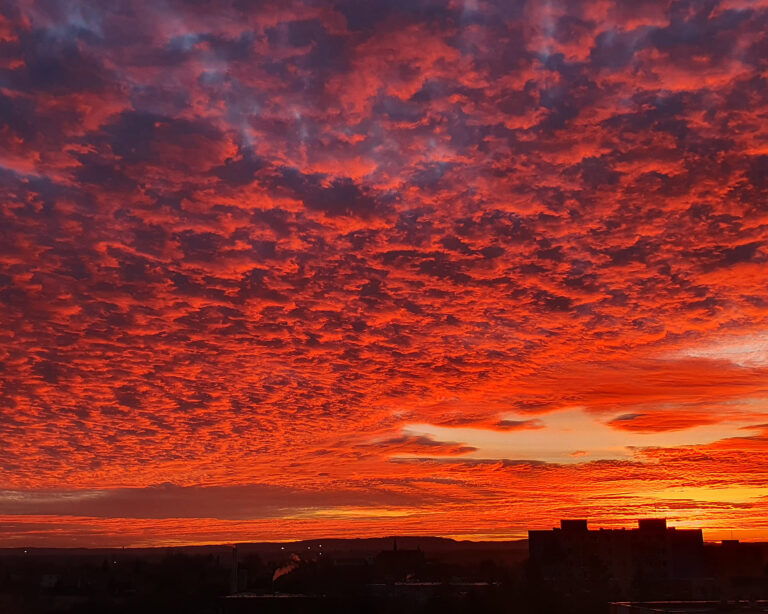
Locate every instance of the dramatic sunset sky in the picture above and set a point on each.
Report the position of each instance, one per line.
(282, 270)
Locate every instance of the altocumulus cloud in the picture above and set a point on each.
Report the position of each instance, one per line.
(240, 242)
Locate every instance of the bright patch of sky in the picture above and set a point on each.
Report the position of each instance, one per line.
(575, 436)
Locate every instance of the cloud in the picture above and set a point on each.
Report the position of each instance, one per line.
(514, 425)
(660, 421)
(420, 444)
(222, 502)
(255, 244)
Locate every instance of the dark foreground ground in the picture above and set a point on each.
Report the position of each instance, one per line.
(409, 575)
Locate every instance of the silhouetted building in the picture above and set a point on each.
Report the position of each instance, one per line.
(620, 563)
(400, 563)
(738, 570)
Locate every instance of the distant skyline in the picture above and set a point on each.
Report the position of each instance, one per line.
(277, 271)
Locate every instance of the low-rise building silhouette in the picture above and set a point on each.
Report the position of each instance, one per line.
(738, 570)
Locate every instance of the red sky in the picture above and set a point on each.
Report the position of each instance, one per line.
(287, 270)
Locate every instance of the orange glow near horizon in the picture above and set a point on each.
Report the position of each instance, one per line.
(332, 269)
